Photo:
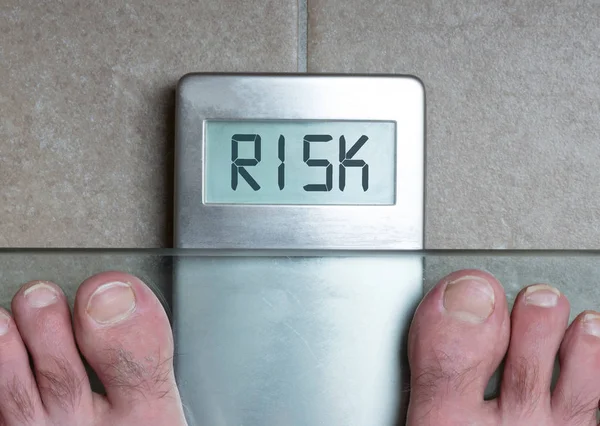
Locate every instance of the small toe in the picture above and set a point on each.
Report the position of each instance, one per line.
(575, 398)
(124, 334)
(538, 323)
(42, 315)
(457, 339)
(20, 402)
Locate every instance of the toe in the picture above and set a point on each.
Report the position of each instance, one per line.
(539, 320)
(575, 399)
(20, 402)
(457, 339)
(124, 334)
(44, 321)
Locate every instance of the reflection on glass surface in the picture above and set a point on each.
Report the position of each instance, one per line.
(574, 272)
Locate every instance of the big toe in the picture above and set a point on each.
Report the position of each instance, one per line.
(457, 339)
(124, 334)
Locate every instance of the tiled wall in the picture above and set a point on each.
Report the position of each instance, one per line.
(513, 90)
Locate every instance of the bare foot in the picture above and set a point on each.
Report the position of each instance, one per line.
(462, 331)
(122, 331)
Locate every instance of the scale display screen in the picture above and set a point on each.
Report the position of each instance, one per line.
(299, 162)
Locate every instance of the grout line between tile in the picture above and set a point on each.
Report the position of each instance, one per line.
(302, 35)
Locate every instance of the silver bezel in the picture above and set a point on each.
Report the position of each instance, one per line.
(203, 97)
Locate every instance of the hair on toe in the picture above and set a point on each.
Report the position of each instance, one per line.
(523, 381)
(576, 407)
(442, 376)
(149, 377)
(19, 401)
(63, 384)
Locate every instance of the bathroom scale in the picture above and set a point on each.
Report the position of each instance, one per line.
(304, 197)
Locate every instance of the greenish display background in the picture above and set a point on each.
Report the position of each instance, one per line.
(379, 152)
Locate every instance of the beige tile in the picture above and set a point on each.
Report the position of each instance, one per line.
(86, 108)
(513, 110)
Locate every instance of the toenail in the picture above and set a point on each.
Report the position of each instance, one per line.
(40, 295)
(469, 298)
(111, 303)
(541, 295)
(591, 324)
(4, 321)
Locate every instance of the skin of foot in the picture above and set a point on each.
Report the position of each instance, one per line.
(121, 329)
(459, 335)
(462, 331)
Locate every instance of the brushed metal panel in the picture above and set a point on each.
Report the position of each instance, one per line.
(322, 97)
(294, 340)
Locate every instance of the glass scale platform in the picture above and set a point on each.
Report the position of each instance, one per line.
(267, 338)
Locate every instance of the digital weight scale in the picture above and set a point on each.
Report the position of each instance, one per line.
(304, 188)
